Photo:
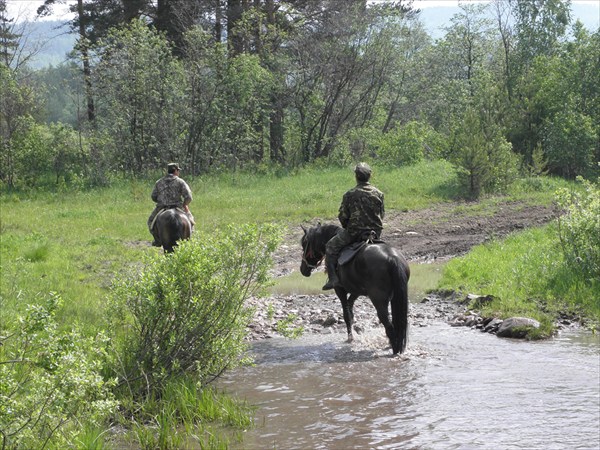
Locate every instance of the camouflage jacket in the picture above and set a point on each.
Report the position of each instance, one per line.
(362, 209)
(171, 190)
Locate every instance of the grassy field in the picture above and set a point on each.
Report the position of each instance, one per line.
(527, 275)
(73, 243)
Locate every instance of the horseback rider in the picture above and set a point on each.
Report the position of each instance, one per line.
(361, 211)
(170, 192)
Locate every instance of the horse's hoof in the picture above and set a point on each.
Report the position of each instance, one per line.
(350, 339)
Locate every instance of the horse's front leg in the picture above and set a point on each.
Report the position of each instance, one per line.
(348, 310)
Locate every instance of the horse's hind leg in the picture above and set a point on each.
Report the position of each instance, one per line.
(384, 318)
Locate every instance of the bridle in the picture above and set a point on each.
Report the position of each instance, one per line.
(308, 253)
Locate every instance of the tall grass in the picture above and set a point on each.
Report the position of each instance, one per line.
(189, 417)
(528, 276)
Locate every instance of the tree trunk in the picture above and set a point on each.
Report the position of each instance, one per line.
(234, 14)
(218, 21)
(87, 72)
(276, 129)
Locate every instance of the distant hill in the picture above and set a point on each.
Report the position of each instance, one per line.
(437, 17)
(58, 41)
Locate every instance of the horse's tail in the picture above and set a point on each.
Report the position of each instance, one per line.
(399, 304)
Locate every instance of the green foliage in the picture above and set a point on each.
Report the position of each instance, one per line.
(528, 275)
(184, 415)
(579, 227)
(50, 381)
(17, 104)
(286, 327)
(139, 83)
(574, 131)
(49, 151)
(539, 163)
(410, 143)
(187, 310)
(484, 158)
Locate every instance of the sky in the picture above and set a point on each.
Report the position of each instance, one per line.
(26, 8)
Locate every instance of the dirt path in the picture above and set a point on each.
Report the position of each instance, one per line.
(436, 233)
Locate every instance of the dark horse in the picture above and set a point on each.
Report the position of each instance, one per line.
(172, 225)
(378, 271)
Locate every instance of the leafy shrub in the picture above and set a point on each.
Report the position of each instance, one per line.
(579, 227)
(186, 310)
(569, 141)
(50, 382)
(409, 144)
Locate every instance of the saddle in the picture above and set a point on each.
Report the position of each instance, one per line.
(348, 253)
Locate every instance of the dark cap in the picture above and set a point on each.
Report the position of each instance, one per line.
(172, 167)
(363, 169)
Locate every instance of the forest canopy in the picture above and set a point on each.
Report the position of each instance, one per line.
(511, 88)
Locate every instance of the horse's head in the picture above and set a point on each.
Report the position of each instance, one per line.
(312, 255)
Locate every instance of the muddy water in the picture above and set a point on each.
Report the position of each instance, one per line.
(455, 388)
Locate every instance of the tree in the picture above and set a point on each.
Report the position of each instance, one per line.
(9, 40)
(540, 25)
(484, 158)
(505, 20)
(340, 66)
(139, 83)
(17, 105)
(468, 41)
(409, 78)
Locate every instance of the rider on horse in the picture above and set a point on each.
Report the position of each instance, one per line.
(170, 192)
(361, 211)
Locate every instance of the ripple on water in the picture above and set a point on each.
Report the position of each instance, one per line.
(453, 388)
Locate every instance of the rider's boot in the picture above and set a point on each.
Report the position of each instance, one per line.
(333, 281)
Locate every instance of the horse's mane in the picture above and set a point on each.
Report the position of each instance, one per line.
(322, 233)
(329, 228)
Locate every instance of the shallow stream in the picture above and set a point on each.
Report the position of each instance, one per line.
(454, 388)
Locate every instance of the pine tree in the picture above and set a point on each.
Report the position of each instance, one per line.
(9, 40)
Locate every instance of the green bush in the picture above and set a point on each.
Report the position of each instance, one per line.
(409, 144)
(579, 227)
(185, 312)
(50, 382)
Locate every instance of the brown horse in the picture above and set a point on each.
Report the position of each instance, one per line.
(173, 225)
(377, 271)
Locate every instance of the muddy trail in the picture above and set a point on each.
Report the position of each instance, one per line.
(438, 233)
